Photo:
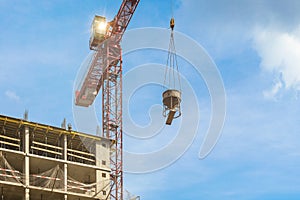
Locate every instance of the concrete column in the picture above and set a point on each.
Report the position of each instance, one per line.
(98, 152)
(26, 141)
(99, 186)
(100, 156)
(66, 180)
(27, 197)
(65, 147)
(26, 163)
(65, 166)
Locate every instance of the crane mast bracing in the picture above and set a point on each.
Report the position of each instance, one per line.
(105, 71)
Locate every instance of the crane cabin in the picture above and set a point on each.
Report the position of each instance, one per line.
(98, 31)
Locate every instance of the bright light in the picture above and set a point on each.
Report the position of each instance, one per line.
(98, 31)
(101, 26)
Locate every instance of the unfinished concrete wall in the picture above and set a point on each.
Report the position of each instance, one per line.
(45, 162)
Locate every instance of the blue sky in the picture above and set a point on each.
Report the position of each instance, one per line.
(256, 47)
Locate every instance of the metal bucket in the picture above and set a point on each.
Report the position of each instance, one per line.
(171, 99)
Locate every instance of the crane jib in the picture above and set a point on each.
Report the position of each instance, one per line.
(92, 83)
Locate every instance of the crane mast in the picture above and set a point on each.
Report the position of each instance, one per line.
(105, 71)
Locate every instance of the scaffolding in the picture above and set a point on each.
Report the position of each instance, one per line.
(45, 162)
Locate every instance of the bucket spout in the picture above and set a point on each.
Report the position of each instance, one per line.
(170, 117)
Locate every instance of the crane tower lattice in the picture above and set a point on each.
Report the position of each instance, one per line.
(105, 71)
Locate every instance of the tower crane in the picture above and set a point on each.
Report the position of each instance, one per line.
(105, 71)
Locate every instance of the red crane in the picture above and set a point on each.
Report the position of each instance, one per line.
(105, 71)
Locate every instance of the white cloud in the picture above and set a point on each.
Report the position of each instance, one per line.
(12, 95)
(225, 26)
(271, 93)
(280, 54)
(228, 30)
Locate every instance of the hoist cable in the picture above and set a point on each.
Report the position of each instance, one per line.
(172, 76)
(172, 8)
(172, 62)
(176, 64)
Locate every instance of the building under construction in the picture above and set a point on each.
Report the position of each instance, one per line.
(42, 162)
